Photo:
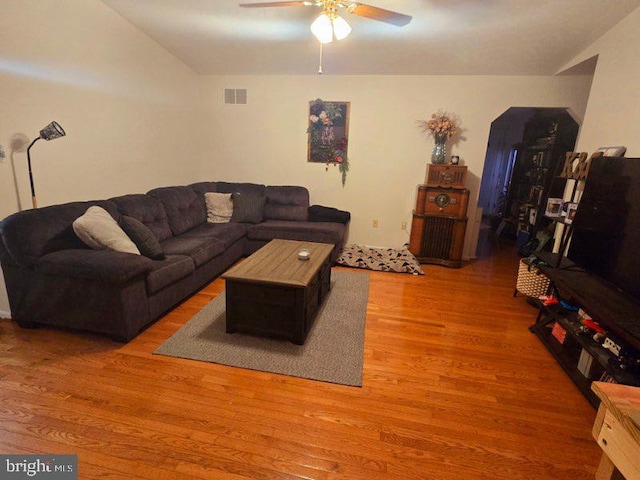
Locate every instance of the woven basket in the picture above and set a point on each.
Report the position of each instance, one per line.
(531, 282)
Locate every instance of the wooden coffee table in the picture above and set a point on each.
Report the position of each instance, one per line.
(273, 293)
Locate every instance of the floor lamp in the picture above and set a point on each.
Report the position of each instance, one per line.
(51, 131)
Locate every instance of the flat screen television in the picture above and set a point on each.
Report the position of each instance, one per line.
(606, 226)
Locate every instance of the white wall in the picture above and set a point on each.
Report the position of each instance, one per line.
(613, 113)
(265, 141)
(128, 107)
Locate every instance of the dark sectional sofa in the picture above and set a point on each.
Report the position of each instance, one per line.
(53, 278)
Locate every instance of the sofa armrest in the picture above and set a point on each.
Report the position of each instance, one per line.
(102, 265)
(320, 213)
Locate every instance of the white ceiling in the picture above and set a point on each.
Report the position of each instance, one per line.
(456, 37)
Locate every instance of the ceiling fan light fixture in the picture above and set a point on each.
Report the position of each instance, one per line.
(341, 28)
(327, 25)
(322, 28)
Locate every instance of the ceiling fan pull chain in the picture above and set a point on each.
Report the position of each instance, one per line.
(320, 66)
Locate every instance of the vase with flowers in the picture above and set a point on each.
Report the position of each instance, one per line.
(442, 126)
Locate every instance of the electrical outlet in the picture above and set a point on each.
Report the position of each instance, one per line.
(403, 226)
(375, 224)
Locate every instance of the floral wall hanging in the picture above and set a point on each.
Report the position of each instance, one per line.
(328, 135)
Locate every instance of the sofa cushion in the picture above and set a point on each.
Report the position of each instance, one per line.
(144, 238)
(98, 229)
(200, 249)
(185, 209)
(302, 231)
(168, 271)
(227, 233)
(102, 265)
(30, 234)
(148, 210)
(219, 207)
(247, 188)
(248, 208)
(286, 203)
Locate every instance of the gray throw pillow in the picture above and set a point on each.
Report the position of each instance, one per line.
(219, 207)
(248, 208)
(144, 238)
(99, 230)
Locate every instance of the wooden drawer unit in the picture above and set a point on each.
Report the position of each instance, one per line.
(619, 446)
(617, 431)
(445, 201)
(249, 292)
(273, 294)
(447, 176)
(265, 314)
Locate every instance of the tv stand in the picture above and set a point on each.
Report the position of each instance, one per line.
(617, 313)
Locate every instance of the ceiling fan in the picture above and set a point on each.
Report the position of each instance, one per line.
(330, 24)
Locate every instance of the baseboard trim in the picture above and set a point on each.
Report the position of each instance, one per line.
(4, 314)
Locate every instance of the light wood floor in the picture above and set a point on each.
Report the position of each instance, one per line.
(455, 388)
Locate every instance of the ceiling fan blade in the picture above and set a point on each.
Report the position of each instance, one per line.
(380, 14)
(276, 4)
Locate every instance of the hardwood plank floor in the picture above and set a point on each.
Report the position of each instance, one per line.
(455, 387)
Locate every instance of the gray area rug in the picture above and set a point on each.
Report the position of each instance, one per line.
(333, 351)
(380, 259)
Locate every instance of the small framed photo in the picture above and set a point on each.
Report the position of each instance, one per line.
(554, 207)
(572, 208)
(612, 151)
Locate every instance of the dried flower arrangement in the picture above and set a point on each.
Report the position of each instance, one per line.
(441, 125)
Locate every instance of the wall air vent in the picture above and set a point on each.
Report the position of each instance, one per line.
(241, 96)
(235, 96)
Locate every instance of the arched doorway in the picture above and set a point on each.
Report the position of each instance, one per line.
(525, 146)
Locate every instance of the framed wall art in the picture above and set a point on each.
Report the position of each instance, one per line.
(328, 134)
(554, 207)
(328, 131)
(572, 208)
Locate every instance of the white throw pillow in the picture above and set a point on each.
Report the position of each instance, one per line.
(219, 207)
(98, 229)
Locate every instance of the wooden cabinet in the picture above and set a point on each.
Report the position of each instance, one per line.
(617, 431)
(272, 293)
(440, 217)
(446, 176)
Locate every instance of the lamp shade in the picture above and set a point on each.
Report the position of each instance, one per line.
(51, 131)
(322, 28)
(341, 28)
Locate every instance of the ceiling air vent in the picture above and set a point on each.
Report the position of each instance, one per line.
(235, 96)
